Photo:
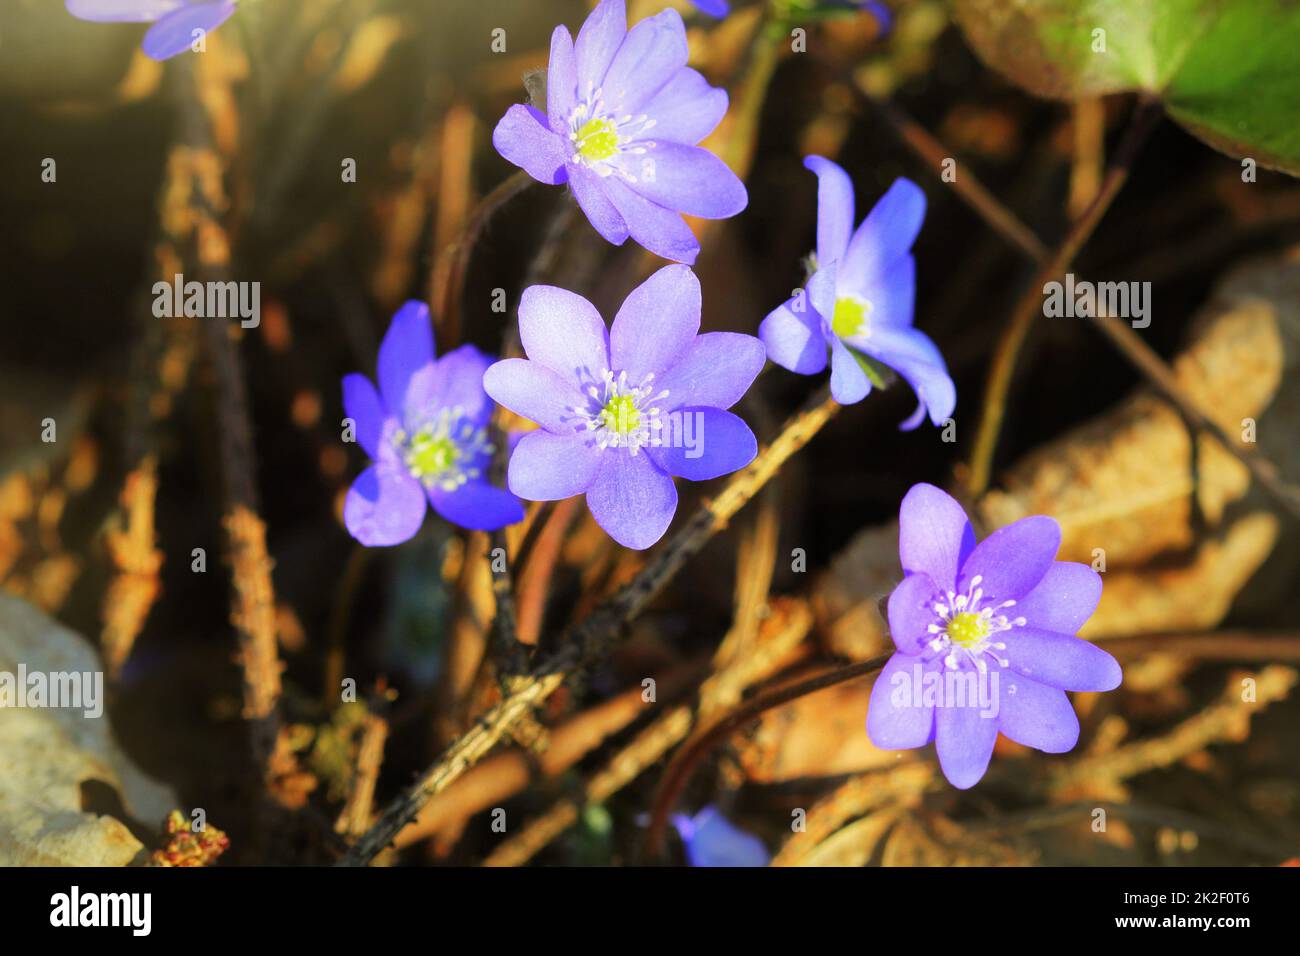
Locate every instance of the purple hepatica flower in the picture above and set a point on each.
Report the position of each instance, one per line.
(985, 639)
(624, 410)
(174, 21)
(859, 299)
(623, 115)
(712, 840)
(426, 433)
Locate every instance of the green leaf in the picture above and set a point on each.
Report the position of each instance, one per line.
(881, 376)
(1225, 69)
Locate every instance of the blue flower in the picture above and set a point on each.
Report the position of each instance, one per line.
(174, 21)
(712, 840)
(623, 115)
(985, 638)
(623, 410)
(859, 299)
(425, 430)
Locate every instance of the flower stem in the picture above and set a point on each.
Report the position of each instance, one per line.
(590, 640)
(682, 768)
(1031, 302)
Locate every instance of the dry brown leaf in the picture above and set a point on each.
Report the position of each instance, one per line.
(47, 754)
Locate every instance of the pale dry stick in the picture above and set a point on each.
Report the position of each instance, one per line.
(137, 562)
(1030, 305)
(588, 641)
(679, 773)
(1161, 817)
(510, 771)
(355, 816)
(630, 762)
(1228, 719)
(789, 625)
(856, 797)
(1088, 126)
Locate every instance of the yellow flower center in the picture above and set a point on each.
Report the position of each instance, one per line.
(596, 140)
(851, 316)
(431, 455)
(621, 414)
(967, 629)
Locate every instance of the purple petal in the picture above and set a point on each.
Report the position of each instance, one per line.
(964, 737)
(820, 290)
(654, 50)
(1059, 660)
(660, 230)
(656, 323)
(1012, 560)
(561, 77)
(716, 370)
(910, 613)
(384, 506)
(122, 11)
(1064, 600)
(592, 194)
(546, 467)
(892, 293)
(457, 382)
(687, 109)
(361, 404)
(898, 717)
(794, 340)
(704, 443)
(849, 382)
(888, 231)
(834, 208)
(407, 348)
(478, 506)
(934, 535)
(535, 392)
(711, 840)
(601, 35)
(175, 32)
(1035, 715)
(911, 353)
(523, 137)
(564, 332)
(714, 8)
(632, 499)
(690, 180)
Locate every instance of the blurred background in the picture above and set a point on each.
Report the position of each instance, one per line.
(98, 528)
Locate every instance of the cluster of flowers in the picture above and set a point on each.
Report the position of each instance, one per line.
(616, 408)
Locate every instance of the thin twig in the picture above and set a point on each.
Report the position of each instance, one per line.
(449, 310)
(253, 613)
(590, 640)
(1031, 302)
(1131, 345)
(679, 774)
(355, 816)
(935, 155)
(783, 631)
